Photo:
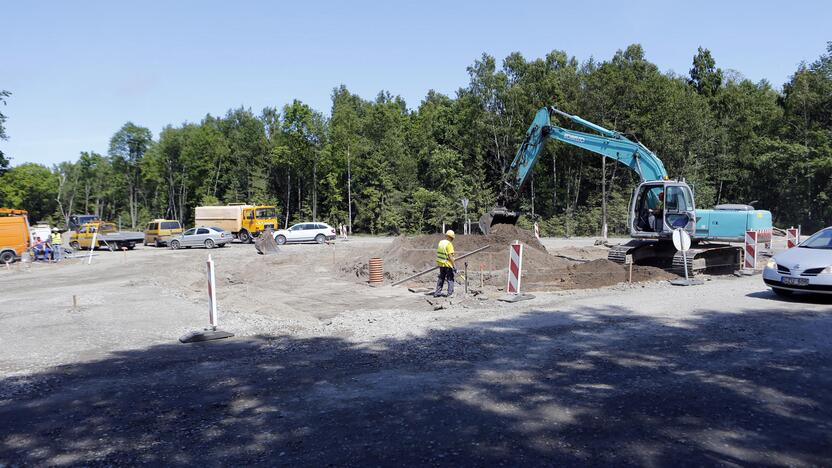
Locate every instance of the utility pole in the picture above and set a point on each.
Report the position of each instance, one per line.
(466, 228)
(349, 193)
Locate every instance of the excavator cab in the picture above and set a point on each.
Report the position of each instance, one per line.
(660, 206)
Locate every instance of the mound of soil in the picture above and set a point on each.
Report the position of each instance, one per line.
(602, 272)
(542, 271)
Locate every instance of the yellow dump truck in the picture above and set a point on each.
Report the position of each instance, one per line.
(15, 237)
(244, 222)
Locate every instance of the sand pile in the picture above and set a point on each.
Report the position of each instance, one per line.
(542, 271)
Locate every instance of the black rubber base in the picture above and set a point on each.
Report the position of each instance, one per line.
(204, 335)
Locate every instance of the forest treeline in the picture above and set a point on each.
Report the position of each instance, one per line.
(388, 168)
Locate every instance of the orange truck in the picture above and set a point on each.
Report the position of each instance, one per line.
(14, 234)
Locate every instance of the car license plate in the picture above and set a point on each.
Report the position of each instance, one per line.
(795, 281)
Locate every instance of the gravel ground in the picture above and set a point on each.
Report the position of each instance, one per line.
(327, 371)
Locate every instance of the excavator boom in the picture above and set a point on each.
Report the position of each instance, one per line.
(607, 143)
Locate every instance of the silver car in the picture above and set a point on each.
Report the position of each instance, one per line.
(805, 268)
(208, 237)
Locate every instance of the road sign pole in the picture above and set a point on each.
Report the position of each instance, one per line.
(681, 240)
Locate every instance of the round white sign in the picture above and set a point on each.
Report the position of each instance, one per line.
(681, 240)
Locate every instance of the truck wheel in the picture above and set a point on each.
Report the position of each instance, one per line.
(209, 244)
(174, 245)
(244, 236)
(281, 239)
(131, 246)
(320, 238)
(144, 242)
(75, 245)
(158, 244)
(7, 256)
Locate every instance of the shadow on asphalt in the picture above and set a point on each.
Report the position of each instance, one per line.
(798, 297)
(602, 387)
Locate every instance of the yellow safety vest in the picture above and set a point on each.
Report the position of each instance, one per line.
(444, 252)
(56, 238)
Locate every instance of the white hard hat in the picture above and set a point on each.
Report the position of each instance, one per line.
(450, 234)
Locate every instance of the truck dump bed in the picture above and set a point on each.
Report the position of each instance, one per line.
(229, 218)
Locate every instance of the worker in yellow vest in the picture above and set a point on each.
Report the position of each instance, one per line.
(445, 262)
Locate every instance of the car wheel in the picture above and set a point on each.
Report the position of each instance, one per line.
(280, 239)
(782, 292)
(244, 236)
(174, 245)
(75, 245)
(209, 244)
(320, 238)
(7, 257)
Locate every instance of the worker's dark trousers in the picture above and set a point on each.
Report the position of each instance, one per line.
(445, 273)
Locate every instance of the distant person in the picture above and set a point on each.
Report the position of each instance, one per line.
(42, 250)
(57, 248)
(445, 262)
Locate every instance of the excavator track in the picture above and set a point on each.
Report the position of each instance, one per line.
(708, 258)
(703, 258)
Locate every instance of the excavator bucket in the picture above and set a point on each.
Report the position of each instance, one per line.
(265, 243)
(497, 215)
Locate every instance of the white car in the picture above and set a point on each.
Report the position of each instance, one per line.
(305, 232)
(805, 268)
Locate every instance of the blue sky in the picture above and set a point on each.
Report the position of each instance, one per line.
(79, 70)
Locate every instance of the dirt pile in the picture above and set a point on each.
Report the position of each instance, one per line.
(602, 272)
(568, 268)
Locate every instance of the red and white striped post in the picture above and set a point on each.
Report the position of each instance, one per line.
(750, 261)
(537, 231)
(792, 237)
(212, 294)
(764, 237)
(515, 267)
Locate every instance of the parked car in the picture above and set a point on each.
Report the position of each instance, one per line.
(202, 236)
(805, 268)
(159, 231)
(305, 232)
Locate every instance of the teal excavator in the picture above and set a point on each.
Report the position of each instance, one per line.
(658, 205)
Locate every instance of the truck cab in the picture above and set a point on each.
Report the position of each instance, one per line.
(82, 237)
(257, 219)
(659, 207)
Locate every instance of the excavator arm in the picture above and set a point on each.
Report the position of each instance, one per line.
(607, 143)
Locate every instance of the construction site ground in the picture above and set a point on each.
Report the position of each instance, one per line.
(326, 370)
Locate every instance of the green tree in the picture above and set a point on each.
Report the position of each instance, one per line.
(31, 187)
(127, 148)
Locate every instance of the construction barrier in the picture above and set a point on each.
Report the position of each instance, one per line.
(750, 261)
(764, 238)
(515, 267)
(537, 231)
(792, 237)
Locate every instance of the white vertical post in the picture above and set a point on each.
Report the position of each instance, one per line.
(92, 246)
(212, 294)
